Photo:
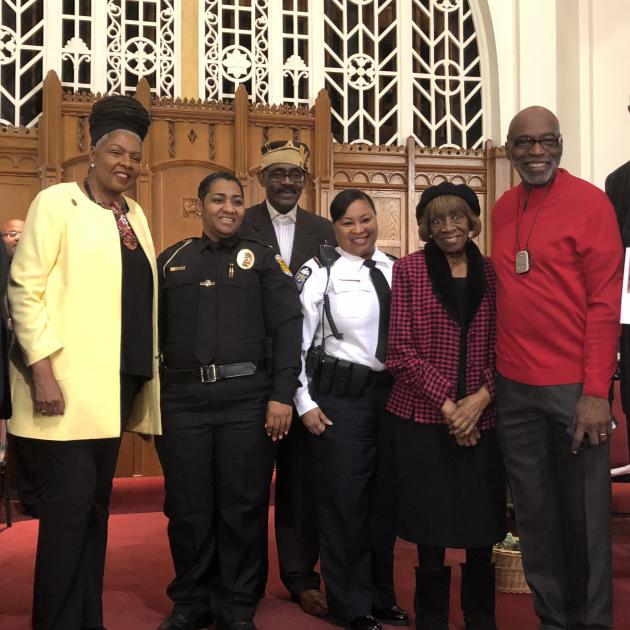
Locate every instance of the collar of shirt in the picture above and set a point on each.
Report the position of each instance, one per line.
(227, 243)
(356, 262)
(277, 217)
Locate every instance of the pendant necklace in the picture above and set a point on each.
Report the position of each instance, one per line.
(523, 259)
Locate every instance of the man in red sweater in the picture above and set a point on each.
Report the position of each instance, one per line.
(557, 254)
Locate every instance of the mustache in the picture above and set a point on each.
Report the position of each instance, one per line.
(288, 189)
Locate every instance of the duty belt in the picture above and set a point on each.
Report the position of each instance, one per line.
(208, 373)
(344, 378)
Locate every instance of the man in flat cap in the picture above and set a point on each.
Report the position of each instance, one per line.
(296, 235)
(558, 260)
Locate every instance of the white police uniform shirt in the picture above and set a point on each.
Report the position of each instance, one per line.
(354, 307)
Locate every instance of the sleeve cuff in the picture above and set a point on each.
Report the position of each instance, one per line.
(303, 402)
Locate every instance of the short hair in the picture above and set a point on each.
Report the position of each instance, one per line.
(445, 203)
(208, 180)
(344, 199)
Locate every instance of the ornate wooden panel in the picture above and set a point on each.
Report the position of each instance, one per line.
(190, 138)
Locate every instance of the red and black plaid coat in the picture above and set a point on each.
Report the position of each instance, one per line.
(424, 335)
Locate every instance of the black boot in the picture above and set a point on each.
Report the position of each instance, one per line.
(431, 598)
(477, 596)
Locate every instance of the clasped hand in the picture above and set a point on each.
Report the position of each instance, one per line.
(462, 416)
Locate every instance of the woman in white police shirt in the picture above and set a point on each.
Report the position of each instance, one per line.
(344, 410)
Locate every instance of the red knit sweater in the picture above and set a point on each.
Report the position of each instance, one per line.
(558, 323)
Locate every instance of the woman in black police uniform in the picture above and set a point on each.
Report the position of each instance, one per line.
(344, 412)
(225, 402)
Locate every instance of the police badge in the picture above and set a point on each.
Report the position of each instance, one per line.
(245, 259)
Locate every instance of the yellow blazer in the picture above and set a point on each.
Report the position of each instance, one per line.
(65, 297)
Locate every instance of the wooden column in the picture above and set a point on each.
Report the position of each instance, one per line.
(408, 222)
(50, 132)
(322, 152)
(143, 184)
(241, 124)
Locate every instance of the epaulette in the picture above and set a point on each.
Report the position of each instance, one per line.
(391, 256)
(177, 247)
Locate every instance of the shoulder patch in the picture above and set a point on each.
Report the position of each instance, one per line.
(283, 265)
(302, 276)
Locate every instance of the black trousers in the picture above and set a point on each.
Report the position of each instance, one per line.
(218, 462)
(562, 504)
(73, 512)
(355, 490)
(295, 511)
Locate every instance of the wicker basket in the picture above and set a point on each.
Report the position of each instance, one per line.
(509, 571)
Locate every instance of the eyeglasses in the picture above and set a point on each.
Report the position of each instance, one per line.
(548, 141)
(12, 233)
(278, 176)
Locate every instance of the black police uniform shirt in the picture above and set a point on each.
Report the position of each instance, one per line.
(254, 298)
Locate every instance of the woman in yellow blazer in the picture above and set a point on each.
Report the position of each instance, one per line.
(84, 307)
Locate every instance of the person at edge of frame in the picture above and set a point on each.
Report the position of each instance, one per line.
(226, 401)
(617, 188)
(83, 302)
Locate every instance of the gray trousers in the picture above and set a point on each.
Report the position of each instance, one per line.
(562, 504)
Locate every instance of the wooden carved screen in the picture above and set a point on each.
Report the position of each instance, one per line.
(190, 138)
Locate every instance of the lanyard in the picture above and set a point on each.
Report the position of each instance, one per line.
(519, 216)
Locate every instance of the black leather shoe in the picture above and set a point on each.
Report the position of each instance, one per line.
(244, 624)
(366, 622)
(392, 616)
(177, 621)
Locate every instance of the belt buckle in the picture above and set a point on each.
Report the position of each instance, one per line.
(208, 373)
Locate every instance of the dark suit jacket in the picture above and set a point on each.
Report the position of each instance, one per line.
(618, 190)
(310, 232)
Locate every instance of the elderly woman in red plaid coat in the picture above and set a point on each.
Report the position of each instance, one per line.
(441, 354)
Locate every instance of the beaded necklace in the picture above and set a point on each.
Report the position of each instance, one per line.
(127, 235)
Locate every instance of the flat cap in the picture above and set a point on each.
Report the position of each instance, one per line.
(447, 188)
(285, 152)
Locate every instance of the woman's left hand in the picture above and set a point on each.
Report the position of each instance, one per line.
(469, 440)
(469, 409)
(278, 420)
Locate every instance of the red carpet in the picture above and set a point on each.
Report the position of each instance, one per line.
(139, 567)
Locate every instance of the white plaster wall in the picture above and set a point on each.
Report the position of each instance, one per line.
(611, 86)
(572, 56)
